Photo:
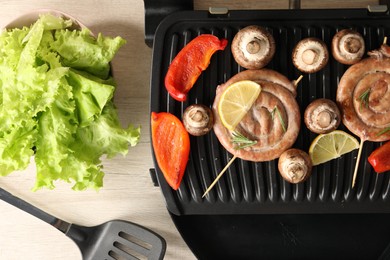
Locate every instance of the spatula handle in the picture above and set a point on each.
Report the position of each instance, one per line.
(27, 207)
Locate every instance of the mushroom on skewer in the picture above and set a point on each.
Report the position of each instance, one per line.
(310, 55)
(198, 119)
(253, 47)
(295, 165)
(348, 46)
(322, 116)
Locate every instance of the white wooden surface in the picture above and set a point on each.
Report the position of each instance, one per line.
(128, 192)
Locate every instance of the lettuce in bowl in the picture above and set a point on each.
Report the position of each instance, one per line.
(56, 103)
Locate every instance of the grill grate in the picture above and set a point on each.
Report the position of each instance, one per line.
(252, 188)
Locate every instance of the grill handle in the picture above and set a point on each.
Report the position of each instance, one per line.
(157, 10)
(384, 2)
(294, 4)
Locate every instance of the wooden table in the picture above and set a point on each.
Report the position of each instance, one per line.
(128, 191)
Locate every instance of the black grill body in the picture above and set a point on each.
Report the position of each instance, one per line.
(251, 202)
(253, 188)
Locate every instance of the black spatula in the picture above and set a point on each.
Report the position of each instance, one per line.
(116, 239)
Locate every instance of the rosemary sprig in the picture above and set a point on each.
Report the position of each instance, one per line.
(241, 141)
(387, 129)
(364, 98)
(276, 110)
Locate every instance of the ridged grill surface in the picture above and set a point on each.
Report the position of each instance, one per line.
(257, 188)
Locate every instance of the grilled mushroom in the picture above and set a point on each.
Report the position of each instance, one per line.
(322, 116)
(295, 165)
(253, 47)
(348, 46)
(310, 55)
(198, 119)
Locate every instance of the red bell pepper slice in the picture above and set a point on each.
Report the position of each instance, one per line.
(189, 63)
(380, 158)
(171, 145)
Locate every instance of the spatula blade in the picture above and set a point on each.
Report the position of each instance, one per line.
(119, 240)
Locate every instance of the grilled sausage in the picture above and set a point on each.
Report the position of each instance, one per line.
(363, 95)
(273, 121)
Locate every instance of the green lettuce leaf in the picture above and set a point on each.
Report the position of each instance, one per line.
(56, 127)
(90, 96)
(105, 136)
(80, 50)
(15, 147)
(56, 103)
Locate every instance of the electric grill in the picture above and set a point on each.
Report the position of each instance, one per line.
(252, 213)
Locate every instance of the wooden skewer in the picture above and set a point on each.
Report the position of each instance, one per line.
(296, 82)
(219, 175)
(361, 145)
(357, 162)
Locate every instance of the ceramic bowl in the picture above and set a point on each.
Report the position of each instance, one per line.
(31, 17)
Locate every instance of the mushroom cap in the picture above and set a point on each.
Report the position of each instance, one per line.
(310, 55)
(348, 46)
(198, 119)
(295, 165)
(322, 116)
(253, 47)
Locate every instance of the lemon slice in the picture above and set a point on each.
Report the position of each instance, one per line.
(236, 100)
(326, 147)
